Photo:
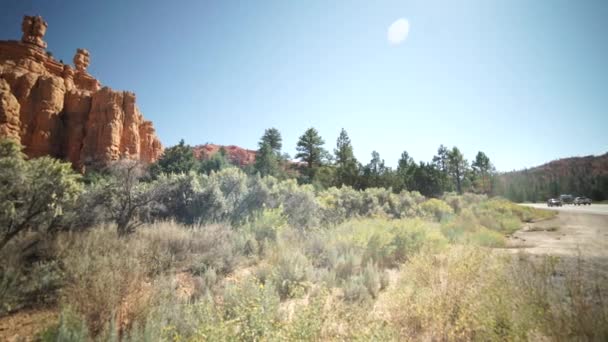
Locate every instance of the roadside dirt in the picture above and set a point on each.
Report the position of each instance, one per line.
(570, 233)
(24, 325)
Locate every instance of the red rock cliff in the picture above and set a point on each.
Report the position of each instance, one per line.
(53, 109)
(237, 155)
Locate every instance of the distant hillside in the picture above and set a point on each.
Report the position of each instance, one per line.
(579, 176)
(236, 155)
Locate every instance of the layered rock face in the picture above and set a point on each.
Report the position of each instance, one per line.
(237, 155)
(53, 109)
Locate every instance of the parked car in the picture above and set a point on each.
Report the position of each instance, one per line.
(582, 201)
(566, 199)
(554, 202)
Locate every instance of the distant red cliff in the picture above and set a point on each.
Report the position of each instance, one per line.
(237, 155)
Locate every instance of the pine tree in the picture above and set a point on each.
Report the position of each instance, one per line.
(346, 163)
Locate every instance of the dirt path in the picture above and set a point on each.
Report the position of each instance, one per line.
(570, 233)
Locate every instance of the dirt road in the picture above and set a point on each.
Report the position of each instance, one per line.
(576, 230)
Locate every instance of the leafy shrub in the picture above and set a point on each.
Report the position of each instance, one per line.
(33, 193)
(70, 328)
(355, 290)
(267, 224)
(388, 242)
(372, 279)
(436, 209)
(253, 310)
(347, 264)
(103, 271)
(462, 294)
(29, 274)
(300, 205)
(291, 274)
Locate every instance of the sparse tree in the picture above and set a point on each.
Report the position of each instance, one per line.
(33, 193)
(126, 199)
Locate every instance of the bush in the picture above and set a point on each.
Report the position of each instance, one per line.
(252, 309)
(299, 205)
(103, 272)
(388, 242)
(436, 209)
(30, 275)
(461, 294)
(33, 193)
(291, 274)
(372, 279)
(71, 328)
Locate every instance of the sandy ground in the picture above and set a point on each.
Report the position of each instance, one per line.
(24, 325)
(576, 230)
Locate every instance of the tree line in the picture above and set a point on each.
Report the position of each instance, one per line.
(448, 171)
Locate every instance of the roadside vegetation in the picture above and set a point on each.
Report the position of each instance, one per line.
(175, 253)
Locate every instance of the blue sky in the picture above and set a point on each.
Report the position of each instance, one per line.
(524, 81)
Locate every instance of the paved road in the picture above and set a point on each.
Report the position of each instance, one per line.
(601, 209)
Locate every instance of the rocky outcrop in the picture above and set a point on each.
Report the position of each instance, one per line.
(54, 109)
(236, 155)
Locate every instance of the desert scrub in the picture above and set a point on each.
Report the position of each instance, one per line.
(264, 227)
(251, 310)
(387, 242)
(436, 209)
(102, 270)
(292, 272)
(461, 294)
(29, 273)
(70, 328)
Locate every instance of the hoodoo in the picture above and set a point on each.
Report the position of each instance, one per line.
(62, 111)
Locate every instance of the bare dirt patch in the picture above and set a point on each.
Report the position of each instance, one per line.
(568, 234)
(25, 325)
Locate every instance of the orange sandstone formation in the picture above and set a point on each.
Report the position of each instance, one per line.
(237, 155)
(54, 109)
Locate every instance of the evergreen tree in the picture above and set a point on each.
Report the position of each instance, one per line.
(457, 167)
(217, 162)
(266, 161)
(376, 174)
(440, 162)
(427, 180)
(346, 163)
(175, 159)
(483, 170)
(406, 167)
(310, 150)
(272, 138)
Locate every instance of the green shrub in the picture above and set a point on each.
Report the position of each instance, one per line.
(372, 279)
(252, 309)
(460, 295)
(487, 238)
(267, 224)
(71, 328)
(436, 209)
(355, 290)
(103, 270)
(34, 194)
(291, 273)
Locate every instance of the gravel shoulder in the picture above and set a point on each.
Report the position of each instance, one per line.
(575, 231)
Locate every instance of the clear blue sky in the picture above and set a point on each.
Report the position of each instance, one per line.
(524, 81)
